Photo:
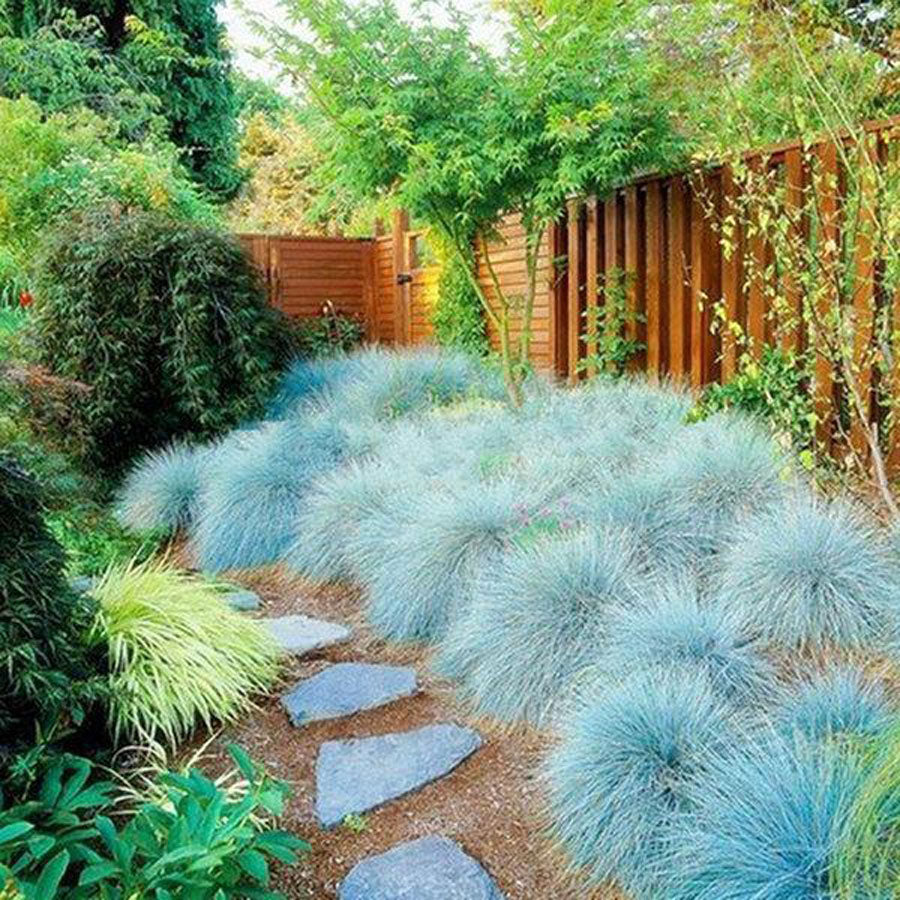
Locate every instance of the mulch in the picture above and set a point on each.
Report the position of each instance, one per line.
(492, 804)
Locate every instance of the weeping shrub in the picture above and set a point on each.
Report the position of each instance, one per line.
(622, 772)
(813, 575)
(166, 323)
(672, 627)
(48, 677)
(765, 821)
(537, 619)
(247, 512)
(839, 701)
(162, 490)
(179, 655)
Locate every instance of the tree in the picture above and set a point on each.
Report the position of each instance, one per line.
(419, 112)
(173, 51)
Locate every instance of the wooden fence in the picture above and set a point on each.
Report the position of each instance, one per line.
(663, 233)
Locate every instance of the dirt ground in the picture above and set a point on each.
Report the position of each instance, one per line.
(491, 804)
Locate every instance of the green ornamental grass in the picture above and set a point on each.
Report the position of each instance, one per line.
(178, 654)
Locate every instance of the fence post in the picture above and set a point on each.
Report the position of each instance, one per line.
(679, 276)
(399, 227)
(732, 274)
(575, 289)
(592, 286)
(656, 279)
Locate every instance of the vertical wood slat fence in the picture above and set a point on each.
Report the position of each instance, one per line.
(664, 233)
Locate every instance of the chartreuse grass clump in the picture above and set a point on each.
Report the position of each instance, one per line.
(764, 821)
(538, 619)
(672, 627)
(868, 856)
(813, 575)
(179, 656)
(839, 702)
(622, 772)
(162, 490)
(248, 510)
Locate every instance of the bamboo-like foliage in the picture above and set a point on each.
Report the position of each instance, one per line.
(179, 656)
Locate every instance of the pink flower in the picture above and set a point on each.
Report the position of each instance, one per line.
(25, 299)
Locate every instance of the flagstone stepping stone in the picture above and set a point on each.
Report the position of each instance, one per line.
(357, 775)
(346, 688)
(431, 868)
(301, 634)
(83, 584)
(243, 601)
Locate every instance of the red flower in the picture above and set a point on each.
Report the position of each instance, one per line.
(25, 299)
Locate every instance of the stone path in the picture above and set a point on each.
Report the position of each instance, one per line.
(361, 774)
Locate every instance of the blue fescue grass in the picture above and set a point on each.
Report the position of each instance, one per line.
(813, 575)
(718, 472)
(621, 772)
(336, 505)
(537, 619)
(247, 512)
(671, 627)
(161, 491)
(839, 701)
(305, 380)
(765, 824)
(422, 580)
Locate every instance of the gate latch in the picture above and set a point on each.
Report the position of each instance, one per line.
(404, 278)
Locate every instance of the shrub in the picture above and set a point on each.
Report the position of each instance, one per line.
(623, 769)
(248, 510)
(839, 701)
(329, 333)
(812, 575)
(196, 841)
(672, 627)
(48, 678)
(537, 620)
(164, 321)
(179, 655)
(765, 822)
(420, 584)
(868, 856)
(162, 489)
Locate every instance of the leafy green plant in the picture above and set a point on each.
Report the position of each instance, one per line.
(328, 334)
(774, 388)
(164, 322)
(195, 841)
(610, 346)
(458, 317)
(48, 678)
(197, 844)
(179, 656)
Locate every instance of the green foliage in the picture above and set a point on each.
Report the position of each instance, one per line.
(327, 335)
(458, 317)
(773, 388)
(462, 138)
(168, 57)
(179, 656)
(48, 680)
(610, 349)
(198, 841)
(164, 322)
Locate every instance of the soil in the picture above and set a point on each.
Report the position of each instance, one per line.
(491, 805)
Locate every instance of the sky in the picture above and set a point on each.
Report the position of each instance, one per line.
(487, 27)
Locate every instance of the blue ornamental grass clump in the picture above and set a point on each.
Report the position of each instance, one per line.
(623, 770)
(420, 581)
(333, 511)
(537, 620)
(672, 627)
(305, 380)
(161, 491)
(839, 701)
(765, 823)
(813, 575)
(248, 511)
